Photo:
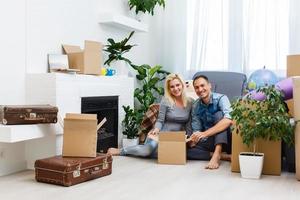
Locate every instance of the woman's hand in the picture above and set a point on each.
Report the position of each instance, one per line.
(154, 132)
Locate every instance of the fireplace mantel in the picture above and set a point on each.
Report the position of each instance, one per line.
(66, 90)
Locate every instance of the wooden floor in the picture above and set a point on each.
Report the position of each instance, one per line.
(135, 178)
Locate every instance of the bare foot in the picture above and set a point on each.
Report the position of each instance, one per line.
(226, 157)
(113, 151)
(214, 162)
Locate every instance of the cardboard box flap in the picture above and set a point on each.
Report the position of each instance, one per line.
(174, 136)
(81, 116)
(92, 46)
(71, 49)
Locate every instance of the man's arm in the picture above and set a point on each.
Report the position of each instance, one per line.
(220, 126)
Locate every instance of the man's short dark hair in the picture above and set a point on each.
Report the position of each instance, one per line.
(196, 77)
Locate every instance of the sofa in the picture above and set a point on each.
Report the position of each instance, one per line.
(233, 84)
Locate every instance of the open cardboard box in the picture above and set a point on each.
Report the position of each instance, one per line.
(172, 148)
(88, 61)
(80, 135)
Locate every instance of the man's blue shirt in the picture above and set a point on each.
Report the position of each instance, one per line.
(203, 114)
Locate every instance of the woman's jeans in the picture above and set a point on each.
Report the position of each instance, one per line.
(148, 149)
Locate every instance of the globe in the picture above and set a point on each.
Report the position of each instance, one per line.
(260, 78)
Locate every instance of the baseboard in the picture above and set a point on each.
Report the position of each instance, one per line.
(10, 167)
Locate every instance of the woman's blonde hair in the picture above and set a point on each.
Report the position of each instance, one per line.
(168, 94)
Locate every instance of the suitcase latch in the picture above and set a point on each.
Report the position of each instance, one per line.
(76, 173)
(105, 164)
(32, 115)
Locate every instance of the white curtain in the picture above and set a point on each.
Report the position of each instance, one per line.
(207, 35)
(265, 35)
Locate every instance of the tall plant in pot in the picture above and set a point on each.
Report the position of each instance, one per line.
(116, 52)
(267, 119)
(150, 88)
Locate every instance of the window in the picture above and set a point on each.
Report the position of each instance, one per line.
(207, 40)
(262, 27)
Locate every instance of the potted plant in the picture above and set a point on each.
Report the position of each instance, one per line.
(116, 52)
(130, 126)
(145, 5)
(150, 78)
(267, 119)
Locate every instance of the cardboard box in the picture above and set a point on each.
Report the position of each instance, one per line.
(293, 69)
(172, 148)
(80, 135)
(297, 150)
(293, 65)
(296, 94)
(290, 105)
(271, 149)
(88, 61)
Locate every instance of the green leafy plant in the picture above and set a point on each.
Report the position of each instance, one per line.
(267, 119)
(150, 78)
(117, 49)
(145, 5)
(130, 122)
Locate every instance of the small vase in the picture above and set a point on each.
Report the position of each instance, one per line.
(121, 67)
(130, 142)
(139, 16)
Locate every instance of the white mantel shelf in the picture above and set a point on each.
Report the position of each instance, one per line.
(18, 133)
(124, 22)
(66, 90)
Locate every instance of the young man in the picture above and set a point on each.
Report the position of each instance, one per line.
(210, 123)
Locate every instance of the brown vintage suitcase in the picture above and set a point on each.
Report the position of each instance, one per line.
(69, 171)
(29, 114)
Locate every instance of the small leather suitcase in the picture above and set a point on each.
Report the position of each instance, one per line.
(69, 171)
(29, 114)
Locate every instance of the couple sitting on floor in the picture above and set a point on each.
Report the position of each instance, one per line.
(206, 121)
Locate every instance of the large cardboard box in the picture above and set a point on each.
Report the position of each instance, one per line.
(296, 94)
(271, 149)
(172, 148)
(80, 135)
(88, 61)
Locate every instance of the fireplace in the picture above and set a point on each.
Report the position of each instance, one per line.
(104, 106)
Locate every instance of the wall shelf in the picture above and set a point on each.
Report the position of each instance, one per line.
(123, 22)
(18, 133)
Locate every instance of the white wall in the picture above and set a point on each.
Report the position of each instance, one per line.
(31, 29)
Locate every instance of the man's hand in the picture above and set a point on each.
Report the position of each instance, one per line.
(197, 136)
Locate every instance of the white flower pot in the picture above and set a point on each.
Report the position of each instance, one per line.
(121, 67)
(130, 142)
(251, 165)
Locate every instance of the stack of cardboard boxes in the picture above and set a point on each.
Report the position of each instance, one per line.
(88, 60)
(272, 150)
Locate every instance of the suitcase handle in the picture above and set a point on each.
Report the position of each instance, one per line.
(95, 170)
(34, 119)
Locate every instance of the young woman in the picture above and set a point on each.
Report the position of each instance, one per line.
(174, 115)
